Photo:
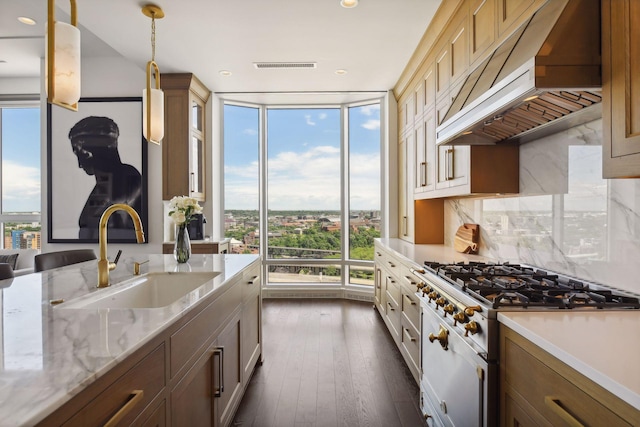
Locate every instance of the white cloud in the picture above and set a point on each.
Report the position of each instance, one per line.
(369, 110)
(309, 121)
(308, 180)
(371, 124)
(250, 132)
(322, 116)
(20, 187)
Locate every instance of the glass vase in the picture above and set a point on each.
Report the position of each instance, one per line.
(182, 246)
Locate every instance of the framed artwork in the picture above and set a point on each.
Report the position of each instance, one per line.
(96, 157)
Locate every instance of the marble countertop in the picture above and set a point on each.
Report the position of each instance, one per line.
(438, 253)
(601, 345)
(50, 353)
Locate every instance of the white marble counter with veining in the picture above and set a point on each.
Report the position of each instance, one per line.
(437, 253)
(50, 353)
(601, 345)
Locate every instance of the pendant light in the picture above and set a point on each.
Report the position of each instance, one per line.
(62, 59)
(153, 98)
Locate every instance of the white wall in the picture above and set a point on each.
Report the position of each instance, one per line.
(113, 77)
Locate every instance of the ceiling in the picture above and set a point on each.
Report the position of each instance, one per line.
(373, 41)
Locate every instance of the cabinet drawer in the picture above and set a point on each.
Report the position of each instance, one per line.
(393, 289)
(393, 313)
(411, 343)
(549, 393)
(123, 397)
(411, 309)
(250, 282)
(186, 342)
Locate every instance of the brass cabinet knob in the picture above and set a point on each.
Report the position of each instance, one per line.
(442, 337)
(432, 295)
(448, 309)
(471, 327)
(459, 317)
(470, 310)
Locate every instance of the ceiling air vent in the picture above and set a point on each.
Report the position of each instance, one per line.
(281, 65)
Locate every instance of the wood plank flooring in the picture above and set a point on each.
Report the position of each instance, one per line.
(328, 363)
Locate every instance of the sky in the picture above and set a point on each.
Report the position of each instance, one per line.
(20, 159)
(303, 151)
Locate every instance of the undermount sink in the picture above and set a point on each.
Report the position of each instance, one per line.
(153, 290)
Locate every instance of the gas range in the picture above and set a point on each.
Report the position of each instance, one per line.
(513, 285)
(460, 342)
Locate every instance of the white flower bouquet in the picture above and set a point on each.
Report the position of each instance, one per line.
(182, 209)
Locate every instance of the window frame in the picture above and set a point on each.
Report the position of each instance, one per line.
(4, 218)
(345, 263)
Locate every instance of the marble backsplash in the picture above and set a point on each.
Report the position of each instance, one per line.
(567, 218)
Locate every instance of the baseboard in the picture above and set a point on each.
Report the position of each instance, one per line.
(352, 294)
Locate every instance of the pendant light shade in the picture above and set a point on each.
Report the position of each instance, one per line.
(153, 108)
(62, 59)
(153, 98)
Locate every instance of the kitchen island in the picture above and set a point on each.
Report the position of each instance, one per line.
(52, 353)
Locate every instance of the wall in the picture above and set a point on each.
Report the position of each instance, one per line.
(567, 218)
(114, 77)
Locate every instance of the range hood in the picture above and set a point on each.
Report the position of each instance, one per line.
(545, 77)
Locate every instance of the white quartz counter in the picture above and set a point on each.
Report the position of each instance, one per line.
(50, 353)
(602, 345)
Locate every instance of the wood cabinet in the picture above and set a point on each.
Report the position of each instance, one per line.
(538, 389)
(185, 138)
(483, 30)
(513, 13)
(201, 247)
(194, 373)
(620, 85)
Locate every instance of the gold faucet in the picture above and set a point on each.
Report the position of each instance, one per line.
(104, 266)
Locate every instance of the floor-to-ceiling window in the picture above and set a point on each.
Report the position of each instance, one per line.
(20, 176)
(317, 184)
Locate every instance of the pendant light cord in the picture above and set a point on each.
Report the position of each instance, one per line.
(153, 37)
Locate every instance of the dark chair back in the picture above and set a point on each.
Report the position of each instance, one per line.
(50, 260)
(6, 272)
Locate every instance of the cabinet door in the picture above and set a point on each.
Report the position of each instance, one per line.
(251, 324)
(405, 190)
(420, 166)
(193, 399)
(482, 27)
(378, 281)
(621, 88)
(459, 49)
(426, 154)
(229, 372)
(443, 71)
(453, 166)
(197, 165)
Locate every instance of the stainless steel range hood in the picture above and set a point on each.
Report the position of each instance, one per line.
(545, 77)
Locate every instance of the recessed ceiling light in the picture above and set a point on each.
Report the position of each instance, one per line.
(26, 20)
(2, 61)
(348, 3)
(341, 72)
(225, 73)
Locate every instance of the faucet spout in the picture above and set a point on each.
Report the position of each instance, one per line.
(104, 266)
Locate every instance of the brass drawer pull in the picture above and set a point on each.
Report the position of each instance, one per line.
(136, 396)
(253, 280)
(407, 332)
(412, 302)
(554, 404)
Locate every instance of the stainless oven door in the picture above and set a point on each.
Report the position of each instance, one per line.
(456, 380)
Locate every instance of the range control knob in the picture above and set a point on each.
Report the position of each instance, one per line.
(419, 285)
(470, 310)
(471, 327)
(459, 317)
(448, 309)
(440, 302)
(432, 295)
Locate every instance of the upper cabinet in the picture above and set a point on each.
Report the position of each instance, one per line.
(482, 27)
(512, 13)
(620, 88)
(184, 142)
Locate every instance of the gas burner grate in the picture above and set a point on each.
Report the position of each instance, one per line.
(511, 285)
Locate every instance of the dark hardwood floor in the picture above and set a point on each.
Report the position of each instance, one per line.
(328, 363)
